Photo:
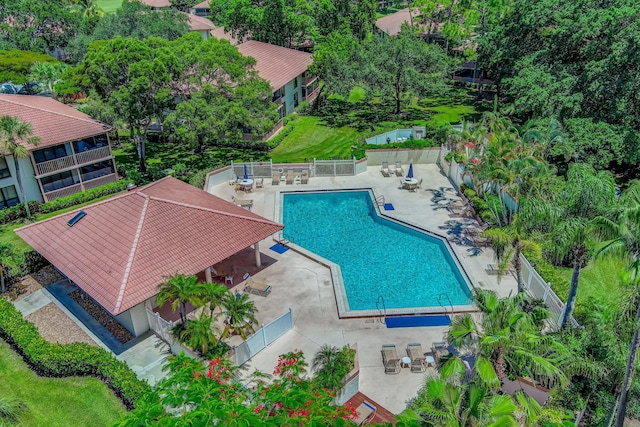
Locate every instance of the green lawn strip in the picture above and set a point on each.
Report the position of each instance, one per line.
(311, 139)
(599, 280)
(56, 402)
(108, 6)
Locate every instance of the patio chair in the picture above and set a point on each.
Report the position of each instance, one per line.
(304, 177)
(290, 176)
(256, 288)
(419, 183)
(399, 170)
(364, 413)
(415, 353)
(243, 203)
(439, 349)
(275, 180)
(260, 183)
(390, 359)
(385, 169)
(492, 270)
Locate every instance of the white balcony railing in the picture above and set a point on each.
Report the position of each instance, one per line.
(62, 192)
(86, 157)
(97, 182)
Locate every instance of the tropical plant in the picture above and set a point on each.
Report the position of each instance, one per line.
(14, 136)
(211, 293)
(213, 396)
(199, 334)
(88, 8)
(623, 240)
(508, 243)
(10, 410)
(240, 312)
(569, 219)
(48, 73)
(331, 365)
(179, 290)
(512, 340)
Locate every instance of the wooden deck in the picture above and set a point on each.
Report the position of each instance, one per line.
(382, 415)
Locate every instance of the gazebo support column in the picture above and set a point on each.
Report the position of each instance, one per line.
(207, 275)
(257, 250)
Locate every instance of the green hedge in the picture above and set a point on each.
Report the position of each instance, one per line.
(66, 360)
(17, 212)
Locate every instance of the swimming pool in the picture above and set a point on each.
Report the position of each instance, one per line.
(383, 262)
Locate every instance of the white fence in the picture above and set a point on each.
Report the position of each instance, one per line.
(334, 167)
(256, 169)
(262, 338)
(533, 282)
(160, 326)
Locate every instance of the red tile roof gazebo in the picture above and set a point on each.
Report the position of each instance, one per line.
(124, 246)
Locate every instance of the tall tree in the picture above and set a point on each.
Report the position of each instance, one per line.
(240, 312)
(569, 216)
(179, 290)
(622, 239)
(281, 22)
(403, 66)
(10, 259)
(132, 76)
(15, 65)
(15, 135)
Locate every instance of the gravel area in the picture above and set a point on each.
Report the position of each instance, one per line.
(117, 330)
(56, 327)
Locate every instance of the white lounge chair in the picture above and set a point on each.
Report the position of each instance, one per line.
(399, 170)
(364, 413)
(415, 353)
(275, 179)
(390, 359)
(256, 288)
(385, 169)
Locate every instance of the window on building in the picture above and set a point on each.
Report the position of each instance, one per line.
(49, 153)
(57, 181)
(96, 170)
(276, 95)
(9, 196)
(4, 168)
(295, 82)
(295, 100)
(90, 143)
(282, 90)
(281, 112)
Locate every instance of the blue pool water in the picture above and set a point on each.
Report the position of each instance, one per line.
(378, 257)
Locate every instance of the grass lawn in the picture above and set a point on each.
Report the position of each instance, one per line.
(342, 124)
(310, 138)
(55, 402)
(599, 280)
(109, 5)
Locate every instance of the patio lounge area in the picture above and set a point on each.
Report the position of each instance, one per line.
(306, 286)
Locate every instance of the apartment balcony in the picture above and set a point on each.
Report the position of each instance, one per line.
(75, 160)
(78, 188)
(306, 81)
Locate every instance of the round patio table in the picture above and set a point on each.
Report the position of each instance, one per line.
(245, 184)
(406, 361)
(410, 181)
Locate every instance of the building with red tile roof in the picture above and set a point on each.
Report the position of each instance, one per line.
(201, 9)
(156, 4)
(73, 153)
(286, 70)
(124, 247)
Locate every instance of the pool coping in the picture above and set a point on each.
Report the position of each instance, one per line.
(339, 292)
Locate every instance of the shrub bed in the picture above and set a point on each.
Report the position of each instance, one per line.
(17, 212)
(77, 359)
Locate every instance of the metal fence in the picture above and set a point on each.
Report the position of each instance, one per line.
(263, 337)
(257, 169)
(533, 282)
(334, 167)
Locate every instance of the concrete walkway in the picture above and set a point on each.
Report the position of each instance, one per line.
(305, 286)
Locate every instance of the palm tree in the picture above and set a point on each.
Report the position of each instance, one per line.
(332, 365)
(570, 217)
(88, 8)
(10, 410)
(212, 293)
(14, 135)
(512, 340)
(199, 335)
(545, 137)
(508, 243)
(48, 72)
(622, 239)
(240, 311)
(180, 290)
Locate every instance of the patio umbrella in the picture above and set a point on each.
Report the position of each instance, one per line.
(246, 174)
(410, 173)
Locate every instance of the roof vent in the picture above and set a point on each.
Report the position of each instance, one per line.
(76, 218)
(131, 186)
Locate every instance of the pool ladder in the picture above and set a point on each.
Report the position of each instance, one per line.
(443, 306)
(380, 200)
(382, 308)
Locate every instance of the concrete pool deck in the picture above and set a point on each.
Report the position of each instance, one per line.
(306, 286)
